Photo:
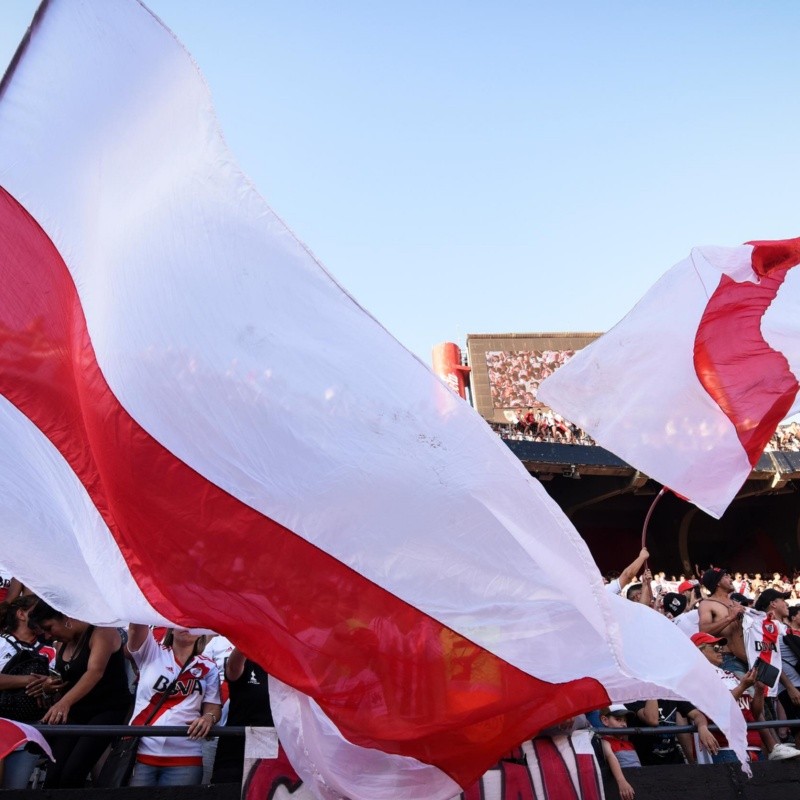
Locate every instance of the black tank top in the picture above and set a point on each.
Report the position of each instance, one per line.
(110, 692)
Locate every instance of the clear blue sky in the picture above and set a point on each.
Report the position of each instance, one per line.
(476, 167)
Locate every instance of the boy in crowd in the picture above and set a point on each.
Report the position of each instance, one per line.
(619, 752)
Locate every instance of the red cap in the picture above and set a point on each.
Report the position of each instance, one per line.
(706, 638)
(686, 586)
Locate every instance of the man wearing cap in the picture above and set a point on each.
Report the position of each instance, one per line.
(722, 617)
(762, 630)
(673, 605)
(752, 706)
(691, 591)
(761, 638)
(774, 602)
(689, 620)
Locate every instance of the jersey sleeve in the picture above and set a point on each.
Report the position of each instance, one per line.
(146, 651)
(210, 683)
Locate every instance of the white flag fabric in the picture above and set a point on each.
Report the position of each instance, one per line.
(199, 425)
(692, 383)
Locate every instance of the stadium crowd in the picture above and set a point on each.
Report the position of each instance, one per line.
(56, 670)
(514, 376)
(542, 424)
(747, 626)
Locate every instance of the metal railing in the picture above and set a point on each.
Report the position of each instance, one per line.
(223, 730)
(133, 730)
(660, 731)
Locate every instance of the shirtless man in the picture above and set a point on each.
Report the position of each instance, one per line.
(722, 617)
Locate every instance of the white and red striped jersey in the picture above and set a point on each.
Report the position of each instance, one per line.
(761, 631)
(8, 651)
(197, 685)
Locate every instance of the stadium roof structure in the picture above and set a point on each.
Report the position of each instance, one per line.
(608, 499)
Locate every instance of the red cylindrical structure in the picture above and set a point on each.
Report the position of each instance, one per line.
(447, 365)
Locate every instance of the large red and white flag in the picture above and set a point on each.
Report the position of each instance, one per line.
(14, 735)
(692, 383)
(200, 425)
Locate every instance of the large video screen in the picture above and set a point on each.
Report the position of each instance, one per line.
(508, 368)
(515, 375)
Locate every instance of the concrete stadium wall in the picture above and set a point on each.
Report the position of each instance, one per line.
(770, 781)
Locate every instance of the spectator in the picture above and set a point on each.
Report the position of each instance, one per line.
(618, 751)
(95, 691)
(634, 593)
(722, 617)
(689, 620)
(673, 605)
(17, 637)
(528, 422)
(691, 591)
(789, 644)
(751, 704)
(249, 705)
(664, 749)
(15, 589)
(170, 761)
(629, 573)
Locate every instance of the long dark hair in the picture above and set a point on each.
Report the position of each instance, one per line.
(42, 611)
(8, 611)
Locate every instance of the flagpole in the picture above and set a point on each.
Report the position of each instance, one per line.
(647, 520)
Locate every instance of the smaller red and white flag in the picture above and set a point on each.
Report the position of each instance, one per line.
(16, 734)
(692, 383)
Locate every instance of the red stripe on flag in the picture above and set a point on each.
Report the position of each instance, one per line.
(553, 769)
(768, 256)
(389, 676)
(11, 737)
(751, 382)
